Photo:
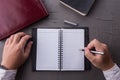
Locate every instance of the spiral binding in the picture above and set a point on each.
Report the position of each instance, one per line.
(60, 49)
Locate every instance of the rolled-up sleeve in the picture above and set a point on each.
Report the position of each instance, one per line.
(7, 74)
(113, 73)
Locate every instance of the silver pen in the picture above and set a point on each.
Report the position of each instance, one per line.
(70, 23)
(95, 52)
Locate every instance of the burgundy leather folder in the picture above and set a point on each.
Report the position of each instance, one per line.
(18, 14)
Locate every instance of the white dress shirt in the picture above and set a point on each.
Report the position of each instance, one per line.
(111, 74)
(7, 74)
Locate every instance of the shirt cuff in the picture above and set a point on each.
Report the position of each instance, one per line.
(7, 74)
(112, 73)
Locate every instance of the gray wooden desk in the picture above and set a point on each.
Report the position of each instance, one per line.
(104, 24)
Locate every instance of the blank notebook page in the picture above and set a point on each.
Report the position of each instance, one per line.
(73, 41)
(47, 49)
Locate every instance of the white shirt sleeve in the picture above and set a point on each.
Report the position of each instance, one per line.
(7, 74)
(113, 73)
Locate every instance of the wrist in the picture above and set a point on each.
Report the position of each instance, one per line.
(108, 66)
(7, 66)
(3, 67)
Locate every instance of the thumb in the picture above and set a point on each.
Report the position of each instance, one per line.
(28, 49)
(89, 55)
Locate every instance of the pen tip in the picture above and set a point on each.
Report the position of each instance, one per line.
(81, 49)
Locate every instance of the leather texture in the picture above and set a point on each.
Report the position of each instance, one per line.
(18, 14)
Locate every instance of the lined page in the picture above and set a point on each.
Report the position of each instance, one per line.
(47, 49)
(73, 58)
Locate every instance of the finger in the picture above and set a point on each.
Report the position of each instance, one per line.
(89, 55)
(24, 40)
(94, 44)
(18, 36)
(7, 41)
(28, 49)
(11, 38)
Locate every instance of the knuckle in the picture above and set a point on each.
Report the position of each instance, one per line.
(16, 35)
(12, 35)
(95, 40)
(18, 47)
(21, 33)
(7, 39)
(104, 46)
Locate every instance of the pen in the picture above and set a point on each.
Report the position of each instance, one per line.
(95, 52)
(70, 23)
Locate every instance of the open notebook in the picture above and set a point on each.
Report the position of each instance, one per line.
(59, 49)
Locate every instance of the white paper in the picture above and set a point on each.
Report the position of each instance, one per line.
(73, 41)
(47, 49)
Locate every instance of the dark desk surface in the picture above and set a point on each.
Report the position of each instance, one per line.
(104, 24)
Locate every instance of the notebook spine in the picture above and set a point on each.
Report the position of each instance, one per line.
(60, 50)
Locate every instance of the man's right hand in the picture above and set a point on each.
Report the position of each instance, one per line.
(104, 61)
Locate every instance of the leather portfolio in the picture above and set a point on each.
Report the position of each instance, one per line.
(18, 14)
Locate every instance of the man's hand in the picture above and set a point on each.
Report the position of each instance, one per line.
(103, 62)
(16, 50)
